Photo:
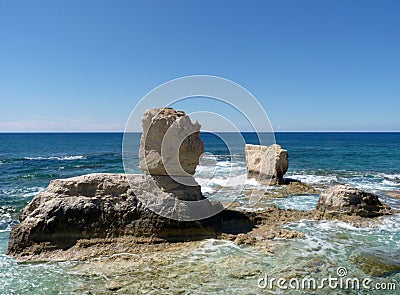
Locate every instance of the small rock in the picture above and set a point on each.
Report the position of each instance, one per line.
(113, 286)
(344, 199)
(245, 239)
(266, 163)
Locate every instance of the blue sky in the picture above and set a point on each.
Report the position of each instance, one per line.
(313, 65)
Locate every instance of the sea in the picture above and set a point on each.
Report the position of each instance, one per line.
(369, 161)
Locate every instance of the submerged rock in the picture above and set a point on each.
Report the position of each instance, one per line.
(344, 199)
(374, 265)
(267, 164)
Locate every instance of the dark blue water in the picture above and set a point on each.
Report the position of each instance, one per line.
(29, 161)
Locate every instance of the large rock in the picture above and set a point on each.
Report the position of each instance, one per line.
(101, 207)
(344, 199)
(170, 143)
(100, 214)
(266, 163)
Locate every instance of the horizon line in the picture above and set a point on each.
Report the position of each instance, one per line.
(280, 131)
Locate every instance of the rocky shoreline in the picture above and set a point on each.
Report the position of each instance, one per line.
(90, 215)
(108, 214)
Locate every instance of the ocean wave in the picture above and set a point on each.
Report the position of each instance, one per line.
(7, 222)
(25, 192)
(227, 164)
(313, 178)
(394, 176)
(252, 182)
(57, 158)
(232, 181)
(371, 186)
(369, 181)
(207, 189)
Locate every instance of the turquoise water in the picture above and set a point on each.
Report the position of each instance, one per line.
(369, 161)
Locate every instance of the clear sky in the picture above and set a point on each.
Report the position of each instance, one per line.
(314, 65)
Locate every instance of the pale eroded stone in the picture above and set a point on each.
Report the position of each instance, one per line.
(266, 163)
(170, 143)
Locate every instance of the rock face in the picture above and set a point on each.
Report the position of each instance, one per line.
(344, 199)
(170, 143)
(97, 214)
(170, 147)
(103, 206)
(266, 163)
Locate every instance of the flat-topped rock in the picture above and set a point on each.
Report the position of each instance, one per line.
(266, 163)
(344, 199)
(170, 143)
(104, 206)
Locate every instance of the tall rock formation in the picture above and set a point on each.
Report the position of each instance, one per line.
(170, 143)
(170, 148)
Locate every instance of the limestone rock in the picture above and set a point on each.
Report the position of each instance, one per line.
(266, 163)
(349, 200)
(170, 143)
(101, 213)
(101, 207)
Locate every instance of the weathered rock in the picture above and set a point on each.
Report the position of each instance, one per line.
(266, 163)
(344, 199)
(170, 143)
(94, 214)
(103, 206)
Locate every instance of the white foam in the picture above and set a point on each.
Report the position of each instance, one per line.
(214, 245)
(225, 164)
(252, 182)
(390, 183)
(391, 223)
(33, 192)
(369, 186)
(314, 179)
(369, 181)
(206, 189)
(391, 176)
(24, 192)
(58, 158)
(238, 180)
